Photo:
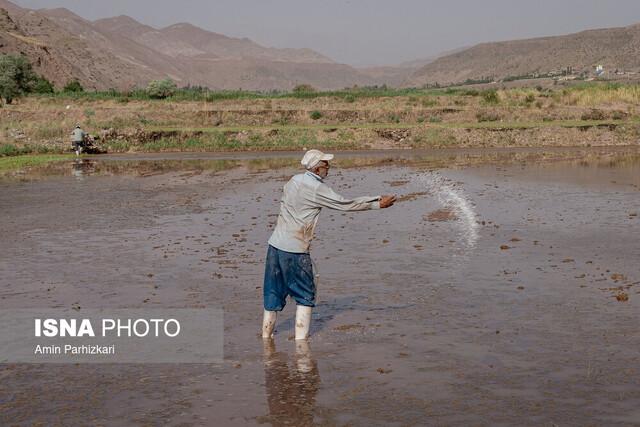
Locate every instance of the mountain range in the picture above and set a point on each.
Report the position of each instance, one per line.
(613, 48)
(123, 53)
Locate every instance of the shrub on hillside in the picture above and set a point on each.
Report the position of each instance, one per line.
(303, 89)
(43, 86)
(594, 115)
(315, 115)
(619, 115)
(16, 77)
(491, 97)
(73, 86)
(470, 92)
(160, 89)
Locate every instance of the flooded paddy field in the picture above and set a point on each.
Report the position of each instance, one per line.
(502, 289)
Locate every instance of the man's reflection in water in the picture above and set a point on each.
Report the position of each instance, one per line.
(291, 390)
(82, 168)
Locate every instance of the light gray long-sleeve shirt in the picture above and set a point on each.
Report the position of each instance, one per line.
(77, 135)
(303, 198)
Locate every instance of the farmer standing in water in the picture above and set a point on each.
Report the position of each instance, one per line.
(288, 269)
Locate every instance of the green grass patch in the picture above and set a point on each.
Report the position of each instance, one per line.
(14, 163)
(7, 150)
(11, 150)
(435, 123)
(586, 93)
(205, 95)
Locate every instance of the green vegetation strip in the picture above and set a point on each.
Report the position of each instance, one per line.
(13, 163)
(206, 95)
(468, 125)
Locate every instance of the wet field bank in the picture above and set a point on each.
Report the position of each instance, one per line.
(503, 289)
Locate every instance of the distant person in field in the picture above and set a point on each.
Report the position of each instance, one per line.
(288, 269)
(77, 139)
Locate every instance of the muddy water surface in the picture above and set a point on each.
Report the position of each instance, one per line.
(489, 295)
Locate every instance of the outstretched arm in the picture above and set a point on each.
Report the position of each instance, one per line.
(327, 198)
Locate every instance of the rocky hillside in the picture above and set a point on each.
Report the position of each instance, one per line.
(186, 40)
(61, 56)
(614, 48)
(122, 53)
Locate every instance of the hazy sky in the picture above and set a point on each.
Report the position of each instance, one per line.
(368, 32)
